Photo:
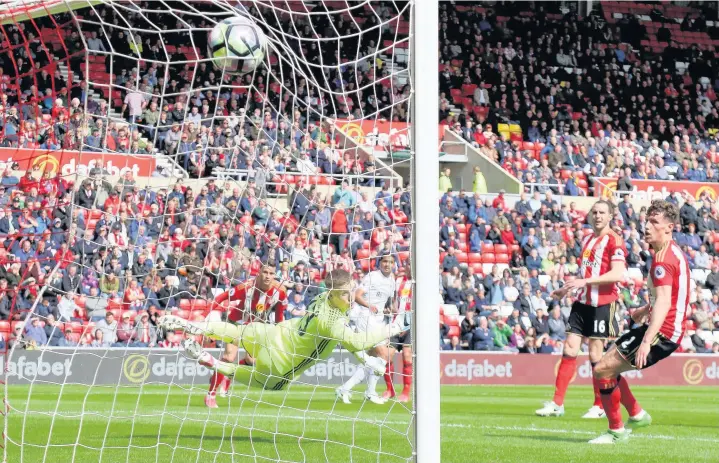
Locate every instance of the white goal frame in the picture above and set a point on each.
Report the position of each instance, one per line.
(424, 58)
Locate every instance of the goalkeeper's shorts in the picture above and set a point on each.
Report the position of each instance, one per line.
(274, 366)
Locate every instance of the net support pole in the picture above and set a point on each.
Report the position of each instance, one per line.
(425, 61)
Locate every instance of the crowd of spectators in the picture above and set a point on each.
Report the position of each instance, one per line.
(543, 93)
(500, 264)
(559, 100)
(192, 113)
(126, 254)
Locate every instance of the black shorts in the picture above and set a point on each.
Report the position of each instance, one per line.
(594, 322)
(401, 340)
(628, 344)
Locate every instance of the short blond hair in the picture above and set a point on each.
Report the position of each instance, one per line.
(338, 279)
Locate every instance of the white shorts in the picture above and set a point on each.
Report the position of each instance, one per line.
(362, 320)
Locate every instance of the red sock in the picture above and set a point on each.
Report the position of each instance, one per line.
(242, 362)
(567, 368)
(595, 384)
(215, 381)
(627, 398)
(611, 399)
(407, 377)
(388, 374)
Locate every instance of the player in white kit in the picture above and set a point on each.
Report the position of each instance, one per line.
(373, 301)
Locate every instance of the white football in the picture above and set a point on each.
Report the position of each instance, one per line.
(237, 45)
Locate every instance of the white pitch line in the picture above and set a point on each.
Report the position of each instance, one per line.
(316, 416)
(590, 433)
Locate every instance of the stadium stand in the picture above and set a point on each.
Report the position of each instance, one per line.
(122, 248)
(516, 96)
(559, 100)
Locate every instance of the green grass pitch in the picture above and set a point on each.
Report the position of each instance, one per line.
(479, 424)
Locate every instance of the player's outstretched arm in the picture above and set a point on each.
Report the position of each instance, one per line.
(354, 342)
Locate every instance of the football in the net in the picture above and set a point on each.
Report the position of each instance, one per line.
(237, 45)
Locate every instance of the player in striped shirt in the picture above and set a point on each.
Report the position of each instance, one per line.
(401, 342)
(662, 322)
(593, 315)
(261, 300)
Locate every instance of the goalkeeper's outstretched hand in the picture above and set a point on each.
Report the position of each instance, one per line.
(401, 323)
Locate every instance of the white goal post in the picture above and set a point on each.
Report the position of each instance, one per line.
(426, 255)
(347, 97)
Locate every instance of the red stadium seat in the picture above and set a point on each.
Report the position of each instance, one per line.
(197, 314)
(468, 89)
(461, 257)
(184, 304)
(463, 246)
(182, 313)
(364, 264)
(477, 267)
(487, 248)
(454, 331)
(488, 258)
(200, 304)
(500, 249)
(462, 237)
(76, 327)
(502, 259)
(475, 257)
(462, 228)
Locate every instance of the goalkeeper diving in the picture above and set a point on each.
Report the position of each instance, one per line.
(283, 351)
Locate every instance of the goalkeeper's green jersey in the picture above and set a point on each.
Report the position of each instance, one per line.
(290, 347)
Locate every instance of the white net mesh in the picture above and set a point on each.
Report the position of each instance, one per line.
(144, 182)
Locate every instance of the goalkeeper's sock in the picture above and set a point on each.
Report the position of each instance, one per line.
(215, 381)
(407, 378)
(388, 375)
(356, 378)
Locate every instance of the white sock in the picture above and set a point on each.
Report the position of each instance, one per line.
(356, 378)
(372, 384)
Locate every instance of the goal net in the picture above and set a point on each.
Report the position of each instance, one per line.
(140, 181)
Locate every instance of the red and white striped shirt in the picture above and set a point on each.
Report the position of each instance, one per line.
(404, 295)
(253, 304)
(598, 253)
(670, 268)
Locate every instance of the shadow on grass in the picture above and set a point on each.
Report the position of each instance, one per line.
(573, 440)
